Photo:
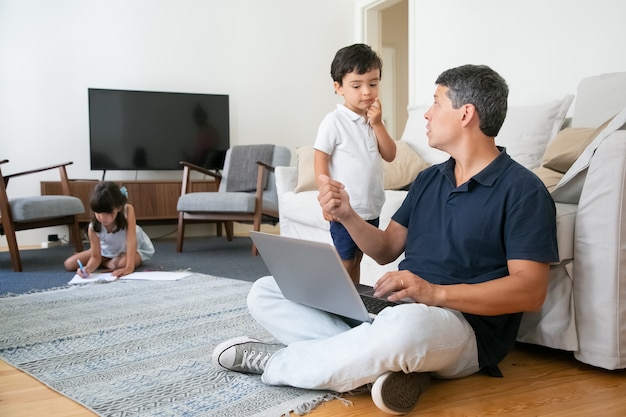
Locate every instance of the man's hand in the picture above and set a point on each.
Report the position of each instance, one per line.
(333, 199)
(397, 285)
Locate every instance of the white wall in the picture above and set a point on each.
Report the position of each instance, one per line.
(272, 57)
(543, 48)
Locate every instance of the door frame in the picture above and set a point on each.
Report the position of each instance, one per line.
(367, 29)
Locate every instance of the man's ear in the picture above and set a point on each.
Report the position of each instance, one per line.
(469, 114)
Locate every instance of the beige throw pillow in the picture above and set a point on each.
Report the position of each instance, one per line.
(396, 175)
(563, 151)
(306, 171)
(568, 145)
(549, 177)
(404, 168)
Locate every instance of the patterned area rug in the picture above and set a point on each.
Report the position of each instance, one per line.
(143, 348)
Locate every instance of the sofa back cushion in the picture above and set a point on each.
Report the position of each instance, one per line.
(525, 133)
(598, 98)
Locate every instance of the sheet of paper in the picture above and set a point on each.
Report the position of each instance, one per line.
(145, 275)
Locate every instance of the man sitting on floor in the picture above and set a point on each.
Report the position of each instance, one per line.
(478, 232)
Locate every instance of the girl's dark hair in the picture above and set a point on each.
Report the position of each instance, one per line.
(359, 58)
(105, 198)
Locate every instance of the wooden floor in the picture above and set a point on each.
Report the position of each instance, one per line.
(537, 382)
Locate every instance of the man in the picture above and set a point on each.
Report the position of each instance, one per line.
(478, 232)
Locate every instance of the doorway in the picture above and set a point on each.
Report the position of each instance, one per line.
(384, 25)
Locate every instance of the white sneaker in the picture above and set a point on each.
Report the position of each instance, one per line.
(244, 354)
(397, 393)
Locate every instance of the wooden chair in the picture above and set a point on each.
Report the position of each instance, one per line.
(253, 200)
(23, 213)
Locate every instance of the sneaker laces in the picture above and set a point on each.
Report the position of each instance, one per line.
(254, 361)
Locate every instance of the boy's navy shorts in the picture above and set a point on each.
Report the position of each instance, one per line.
(342, 240)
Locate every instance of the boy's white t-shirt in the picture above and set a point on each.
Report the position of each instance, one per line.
(354, 159)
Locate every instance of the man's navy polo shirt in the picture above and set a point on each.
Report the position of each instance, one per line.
(466, 234)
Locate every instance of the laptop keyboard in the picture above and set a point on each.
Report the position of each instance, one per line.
(376, 305)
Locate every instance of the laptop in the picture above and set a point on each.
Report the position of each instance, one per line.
(312, 273)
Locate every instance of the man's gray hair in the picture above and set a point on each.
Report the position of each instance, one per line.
(481, 86)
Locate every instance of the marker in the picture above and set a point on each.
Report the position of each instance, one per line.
(82, 269)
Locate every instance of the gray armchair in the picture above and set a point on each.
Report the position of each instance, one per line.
(23, 213)
(246, 191)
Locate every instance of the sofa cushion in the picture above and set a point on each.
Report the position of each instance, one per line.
(527, 130)
(306, 170)
(525, 133)
(563, 151)
(570, 187)
(396, 174)
(415, 135)
(568, 145)
(597, 98)
(549, 177)
(565, 229)
(404, 168)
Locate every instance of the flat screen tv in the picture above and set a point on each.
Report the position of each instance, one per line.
(146, 130)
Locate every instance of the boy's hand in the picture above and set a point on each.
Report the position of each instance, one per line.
(375, 113)
(333, 199)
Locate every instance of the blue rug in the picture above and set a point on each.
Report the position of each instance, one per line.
(143, 348)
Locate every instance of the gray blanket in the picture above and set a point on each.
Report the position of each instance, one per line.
(243, 169)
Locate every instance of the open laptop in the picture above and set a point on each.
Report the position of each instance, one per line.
(312, 273)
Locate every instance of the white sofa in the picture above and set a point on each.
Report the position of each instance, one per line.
(585, 310)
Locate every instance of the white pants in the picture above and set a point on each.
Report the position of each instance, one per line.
(324, 352)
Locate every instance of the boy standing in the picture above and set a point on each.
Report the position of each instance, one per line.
(351, 143)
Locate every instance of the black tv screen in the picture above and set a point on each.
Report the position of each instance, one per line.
(146, 130)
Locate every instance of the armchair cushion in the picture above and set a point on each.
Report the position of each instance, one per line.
(238, 202)
(242, 169)
(43, 207)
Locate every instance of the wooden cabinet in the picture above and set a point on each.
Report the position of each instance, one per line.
(154, 200)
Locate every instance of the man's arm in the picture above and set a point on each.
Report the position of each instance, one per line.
(383, 246)
(523, 290)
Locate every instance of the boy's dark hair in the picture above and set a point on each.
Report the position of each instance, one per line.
(481, 86)
(106, 197)
(359, 58)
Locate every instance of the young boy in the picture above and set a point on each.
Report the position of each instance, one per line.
(351, 143)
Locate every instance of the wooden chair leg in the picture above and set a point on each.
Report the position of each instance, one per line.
(14, 250)
(257, 228)
(180, 233)
(75, 236)
(228, 225)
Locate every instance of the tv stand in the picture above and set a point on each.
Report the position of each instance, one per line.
(154, 200)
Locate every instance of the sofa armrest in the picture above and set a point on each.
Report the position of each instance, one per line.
(600, 254)
(286, 179)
